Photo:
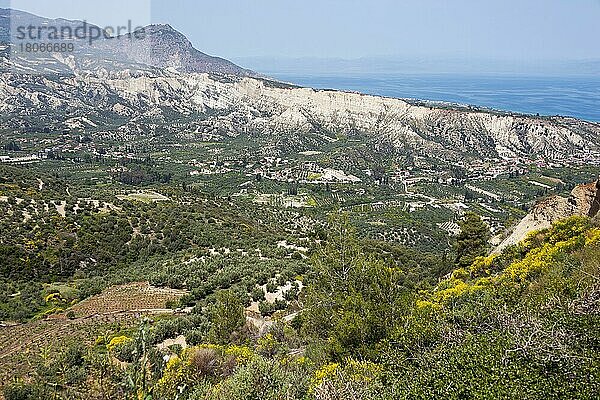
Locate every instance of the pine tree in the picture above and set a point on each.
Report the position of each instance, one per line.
(473, 240)
(227, 317)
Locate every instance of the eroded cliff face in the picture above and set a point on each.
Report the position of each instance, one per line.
(133, 103)
(583, 201)
(587, 199)
(125, 88)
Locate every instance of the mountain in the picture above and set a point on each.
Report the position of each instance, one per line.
(160, 47)
(4, 25)
(168, 49)
(163, 86)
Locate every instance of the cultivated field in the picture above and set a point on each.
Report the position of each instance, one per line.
(117, 308)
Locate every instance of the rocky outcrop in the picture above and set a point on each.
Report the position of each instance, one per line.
(586, 199)
(583, 201)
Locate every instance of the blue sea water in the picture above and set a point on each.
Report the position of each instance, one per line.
(569, 96)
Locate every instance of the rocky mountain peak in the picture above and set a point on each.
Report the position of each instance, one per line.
(162, 46)
(168, 36)
(163, 29)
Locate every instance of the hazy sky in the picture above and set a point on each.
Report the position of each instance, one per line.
(531, 30)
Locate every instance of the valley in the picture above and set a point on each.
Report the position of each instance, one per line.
(174, 226)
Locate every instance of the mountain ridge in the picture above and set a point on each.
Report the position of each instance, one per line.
(239, 105)
(162, 46)
(172, 49)
(129, 90)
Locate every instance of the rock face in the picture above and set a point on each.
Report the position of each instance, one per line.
(587, 199)
(584, 201)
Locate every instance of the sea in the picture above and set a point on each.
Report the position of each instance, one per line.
(577, 97)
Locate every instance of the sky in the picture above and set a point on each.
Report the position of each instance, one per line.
(507, 30)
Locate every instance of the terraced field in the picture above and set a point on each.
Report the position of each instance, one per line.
(117, 308)
(137, 297)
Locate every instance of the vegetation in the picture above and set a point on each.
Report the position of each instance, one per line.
(227, 318)
(171, 290)
(519, 324)
(472, 241)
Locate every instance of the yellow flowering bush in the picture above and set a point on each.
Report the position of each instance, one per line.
(543, 249)
(362, 371)
(242, 354)
(539, 259)
(53, 297)
(325, 372)
(482, 266)
(593, 237)
(428, 305)
(459, 288)
(175, 374)
(351, 371)
(117, 341)
(566, 229)
(302, 360)
(460, 274)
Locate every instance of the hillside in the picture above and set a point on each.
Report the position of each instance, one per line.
(523, 324)
(161, 86)
(583, 201)
(173, 226)
(194, 104)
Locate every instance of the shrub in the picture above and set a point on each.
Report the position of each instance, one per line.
(24, 392)
(204, 361)
(262, 379)
(117, 341)
(122, 348)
